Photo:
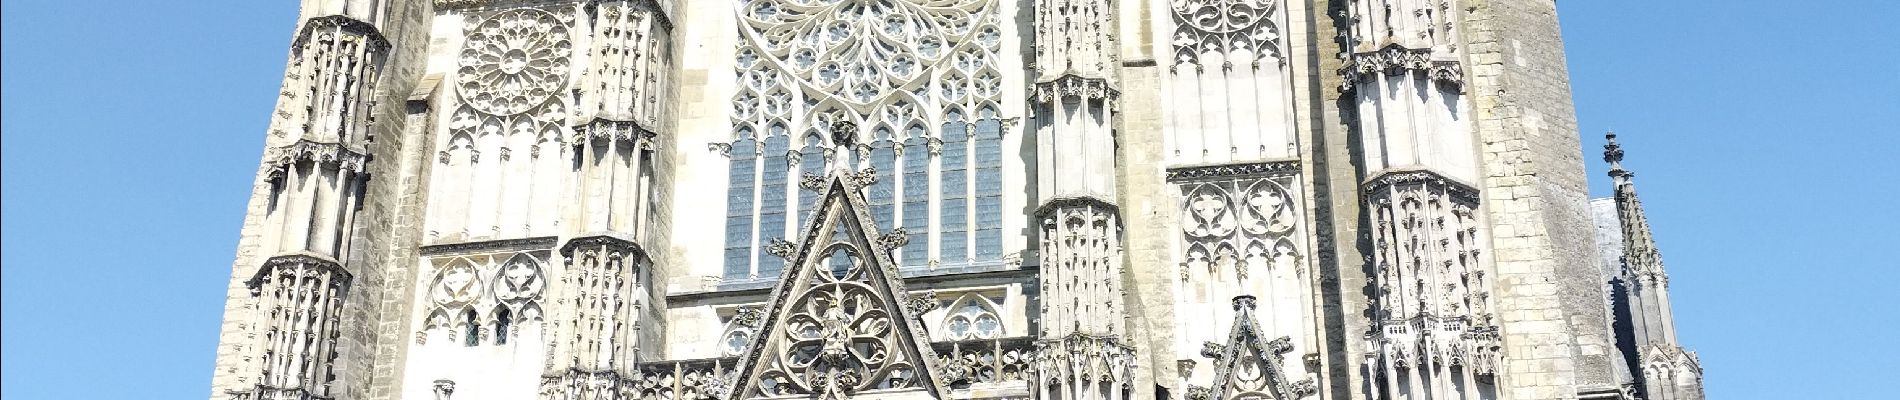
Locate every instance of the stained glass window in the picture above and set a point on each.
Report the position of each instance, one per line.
(908, 71)
(739, 195)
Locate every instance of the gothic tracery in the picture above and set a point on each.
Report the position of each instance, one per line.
(838, 323)
(1237, 28)
(921, 79)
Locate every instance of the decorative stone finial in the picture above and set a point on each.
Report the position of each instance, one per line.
(753, 317)
(782, 248)
(894, 239)
(1213, 350)
(1613, 154)
(1243, 302)
(444, 388)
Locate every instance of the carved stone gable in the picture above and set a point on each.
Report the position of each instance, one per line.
(836, 325)
(1248, 366)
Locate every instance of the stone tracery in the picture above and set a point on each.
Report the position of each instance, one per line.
(1231, 27)
(838, 323)
(920, 78)
(513, 61)
(487, 287)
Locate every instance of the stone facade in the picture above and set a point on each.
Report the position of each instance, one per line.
(978, 199)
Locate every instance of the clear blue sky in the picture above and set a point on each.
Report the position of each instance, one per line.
(1762, 133)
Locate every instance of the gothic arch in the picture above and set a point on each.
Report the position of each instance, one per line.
(973, 316)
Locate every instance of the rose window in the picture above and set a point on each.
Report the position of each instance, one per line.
(513, 61)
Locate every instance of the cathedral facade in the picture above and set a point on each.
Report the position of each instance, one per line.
(941, 199)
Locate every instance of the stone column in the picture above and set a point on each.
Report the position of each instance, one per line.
(608, 312)
(1082, 354)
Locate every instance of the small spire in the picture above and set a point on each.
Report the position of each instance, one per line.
(1640, 254)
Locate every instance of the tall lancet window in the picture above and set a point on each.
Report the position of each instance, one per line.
(772, 192)
(916, 197)
(740, 196)
(955, 193)
(883, 194)
(811, 161)
(989, 185)
(921, 80)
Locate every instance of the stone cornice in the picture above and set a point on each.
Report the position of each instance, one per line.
(1396, 60)
(489, 246)
(281, 158)
(608, 129)
(313, 260)
(1057, 203)
(460, 5)
(1386, 179)
(1071, 85)
(373, 36)
(1212, 171)
(613, 242)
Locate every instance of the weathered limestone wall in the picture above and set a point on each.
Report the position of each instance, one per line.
(1150, 232)
(389, 225)
(1340, 280)
(1535, 192)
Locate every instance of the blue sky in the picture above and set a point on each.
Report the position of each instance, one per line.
(1761, 133)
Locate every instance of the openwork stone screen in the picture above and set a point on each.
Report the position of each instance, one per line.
(920, 80)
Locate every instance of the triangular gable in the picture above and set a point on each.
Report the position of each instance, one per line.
(836, 325)
(1248, 366)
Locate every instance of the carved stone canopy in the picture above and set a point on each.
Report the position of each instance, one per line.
(837, 324)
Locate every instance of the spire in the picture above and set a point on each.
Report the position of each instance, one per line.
(1640, 256)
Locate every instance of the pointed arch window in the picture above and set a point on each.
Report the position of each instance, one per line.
(883, 194)
(472, 329)
(989, 185)
(739, 202)
(916, 197)
(772, 188)
(955, 190)
(502, 320)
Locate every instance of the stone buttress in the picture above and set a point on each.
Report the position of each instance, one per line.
(610, 314)
(1434, 332)
(304, 293)
(1083, 353)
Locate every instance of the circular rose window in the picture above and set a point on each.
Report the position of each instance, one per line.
(513, 61)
